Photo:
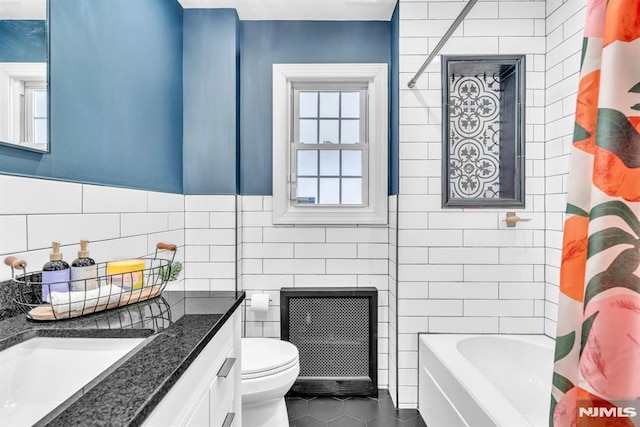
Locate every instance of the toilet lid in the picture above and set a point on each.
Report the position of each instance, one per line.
(265, 356)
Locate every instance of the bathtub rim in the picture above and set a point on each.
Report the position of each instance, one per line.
(494, 404)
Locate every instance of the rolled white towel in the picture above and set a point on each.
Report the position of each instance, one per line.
(74, 301)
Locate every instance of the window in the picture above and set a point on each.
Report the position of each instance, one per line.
(23, 105)
(330, 143)
(483, 131)
(35, 112)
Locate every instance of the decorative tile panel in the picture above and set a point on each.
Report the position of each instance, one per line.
(474, 141)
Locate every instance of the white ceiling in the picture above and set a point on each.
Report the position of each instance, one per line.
(23, 9)
(249, 10)
(301, 10)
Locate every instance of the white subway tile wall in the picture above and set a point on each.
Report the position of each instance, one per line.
(463, 270)
(565, 23)
(273, 257)
(393, 298)
(437, 271)
(118, 222)
(210, 241)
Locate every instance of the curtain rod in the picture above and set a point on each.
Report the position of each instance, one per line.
(467, 8)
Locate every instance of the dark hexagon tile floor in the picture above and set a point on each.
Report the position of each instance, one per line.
(350, 412)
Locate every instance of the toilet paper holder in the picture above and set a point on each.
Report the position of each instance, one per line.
(259, 304)
(260, 312)
(249, 299)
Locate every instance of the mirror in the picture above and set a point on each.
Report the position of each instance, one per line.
(24, 104)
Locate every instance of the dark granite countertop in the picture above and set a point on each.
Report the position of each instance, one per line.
(177, 325)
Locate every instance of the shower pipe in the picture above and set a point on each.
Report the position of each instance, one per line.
(467, 8)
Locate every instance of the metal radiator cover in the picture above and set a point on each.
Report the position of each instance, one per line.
(336, 333)
(332, 336)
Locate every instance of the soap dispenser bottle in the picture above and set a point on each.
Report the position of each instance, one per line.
(55, 273)
(84, 270)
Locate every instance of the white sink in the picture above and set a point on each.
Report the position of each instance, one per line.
(39, 374)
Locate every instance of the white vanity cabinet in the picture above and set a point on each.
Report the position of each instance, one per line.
(208, 393)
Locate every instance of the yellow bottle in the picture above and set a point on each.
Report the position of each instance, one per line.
(127, 273)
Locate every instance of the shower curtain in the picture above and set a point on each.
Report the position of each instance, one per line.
(596, 378)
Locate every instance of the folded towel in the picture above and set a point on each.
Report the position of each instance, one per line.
(73, 301)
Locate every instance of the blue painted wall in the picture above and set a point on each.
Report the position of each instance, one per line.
(211, 101)
(116, 96)
(23, 41)
(394, 104)
(267, 42)
(117, 93)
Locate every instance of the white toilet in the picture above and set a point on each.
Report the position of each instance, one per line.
(269, 369)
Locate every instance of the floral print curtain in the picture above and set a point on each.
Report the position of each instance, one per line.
(597, 356)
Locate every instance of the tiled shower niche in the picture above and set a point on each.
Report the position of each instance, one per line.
(483, 131)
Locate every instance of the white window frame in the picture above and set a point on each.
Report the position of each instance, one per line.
(14, 113)
(376, 78)
(362, 146)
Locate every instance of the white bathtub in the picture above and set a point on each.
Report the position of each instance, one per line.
(485, 380)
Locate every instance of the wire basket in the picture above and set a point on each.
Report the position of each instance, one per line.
(75, 298)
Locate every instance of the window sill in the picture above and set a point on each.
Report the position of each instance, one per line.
(330, 216)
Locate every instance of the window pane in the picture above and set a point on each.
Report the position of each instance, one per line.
(309, 131)
(351, 191)
(329, 162)
(328, 131)
(23, 119)
(40, 130)
(40, 100)
(329, 104)
(351, 163)
(350, 104)
(329, 191)
(308, 104)
(307, 162)
(307, 190)
(350, 131)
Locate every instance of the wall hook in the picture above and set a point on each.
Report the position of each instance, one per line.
(511, 219)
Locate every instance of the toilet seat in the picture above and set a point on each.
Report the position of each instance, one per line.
(262, 357)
